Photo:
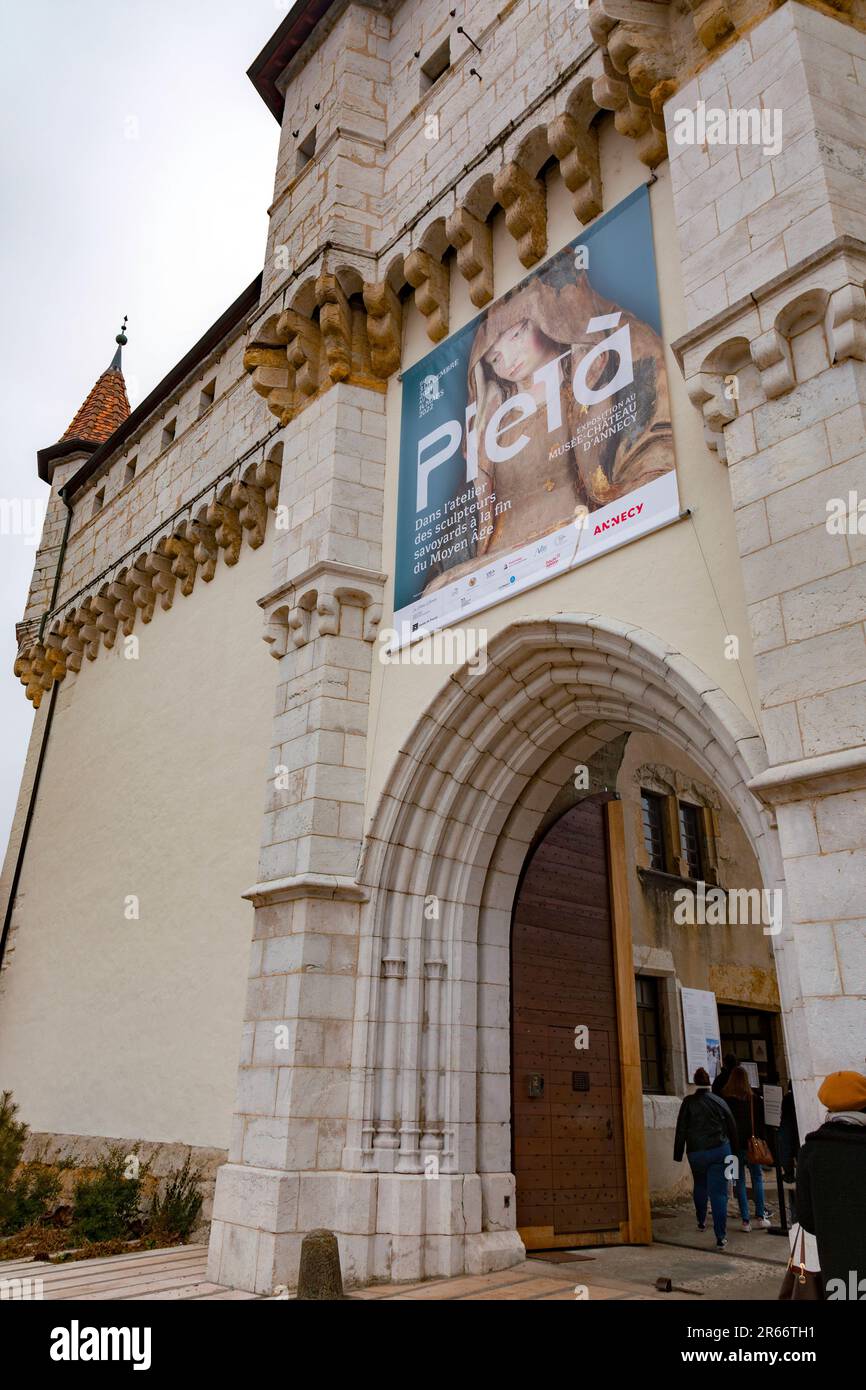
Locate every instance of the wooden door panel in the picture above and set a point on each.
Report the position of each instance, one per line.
(569, 1156)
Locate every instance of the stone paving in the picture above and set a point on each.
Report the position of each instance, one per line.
(751, 1269)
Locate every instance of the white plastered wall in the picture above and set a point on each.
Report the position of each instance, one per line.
(153, 786)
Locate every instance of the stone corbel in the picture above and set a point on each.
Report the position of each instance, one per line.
(430, 281)
(384, 327)
(206, 550)
(252, 509)
(267, 361)
(180, 548)
(335, 325)
(771, 354)
(267, 477)
(143, 595)
(228, 535)
(28, 667)
(71, 646)
(634, 115)
(713, 21)
(303, 349)
(845, 324)
(164, 580)
(88, 633)
(636, 38)
(54, 650)
(104, 605)
(473, 241)
(124, 605)
(276, 633)
(577, 152)
(706, 392)
(524, 201)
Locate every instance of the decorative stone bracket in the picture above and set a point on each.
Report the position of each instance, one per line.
(313, 604)
(757, 334)
(189, 548)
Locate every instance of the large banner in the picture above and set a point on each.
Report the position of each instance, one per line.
(538, 436)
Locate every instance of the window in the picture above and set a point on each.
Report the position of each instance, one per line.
(438, 62)
(168, 433)
(652, 811)
(691, 839)
(129, 471)
(650, 1034)
(748, 1034)
(305, 151)
(99, 501)
(206, 399)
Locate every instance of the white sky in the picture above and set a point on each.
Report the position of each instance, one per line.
(137, 164)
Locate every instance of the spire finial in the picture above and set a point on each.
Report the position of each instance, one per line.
(121, 340)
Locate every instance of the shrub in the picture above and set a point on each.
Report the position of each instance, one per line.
(12, 1137)
(173, 1216)
(31, 1198)
(106, 1206)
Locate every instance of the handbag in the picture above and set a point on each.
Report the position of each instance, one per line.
(757, 1150)
(801, 1284)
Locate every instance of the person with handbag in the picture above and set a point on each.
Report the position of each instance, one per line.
(831, 1186)
(752, 1150)
(706, 1132)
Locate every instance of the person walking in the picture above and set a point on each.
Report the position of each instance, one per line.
(707, 1133)
(747, 1109)
(724, 1076)
(831, 1185)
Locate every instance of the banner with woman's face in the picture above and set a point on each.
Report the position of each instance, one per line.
(539, 435)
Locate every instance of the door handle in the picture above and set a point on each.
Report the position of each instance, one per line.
(609, 1128)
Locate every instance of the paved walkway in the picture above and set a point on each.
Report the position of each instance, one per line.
(144, 1274)
(750, 1269)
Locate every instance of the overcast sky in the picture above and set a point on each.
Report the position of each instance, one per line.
(137, 169)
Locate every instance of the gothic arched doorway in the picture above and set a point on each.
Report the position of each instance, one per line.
(577, 1127)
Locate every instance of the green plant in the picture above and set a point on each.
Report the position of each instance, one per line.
(12, 1137)
(106, 1205)
(25, 1199)
(174, 1214)
(31, 1197)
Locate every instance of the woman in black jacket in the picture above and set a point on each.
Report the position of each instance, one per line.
(707, 1133)
(748, 1112)
(831, 1186)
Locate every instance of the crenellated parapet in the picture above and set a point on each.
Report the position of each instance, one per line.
(189, 548)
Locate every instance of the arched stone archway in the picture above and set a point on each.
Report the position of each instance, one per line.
(441, 862)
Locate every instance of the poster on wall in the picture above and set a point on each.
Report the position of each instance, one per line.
(702, 1035)
(538, 436)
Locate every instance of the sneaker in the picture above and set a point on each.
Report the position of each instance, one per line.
(747, 1225)
(702, 1225)
(721, 1244)
(766, 1222)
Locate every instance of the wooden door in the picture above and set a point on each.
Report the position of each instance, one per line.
(567, 1122)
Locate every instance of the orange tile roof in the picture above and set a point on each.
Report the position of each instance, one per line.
(103, 412)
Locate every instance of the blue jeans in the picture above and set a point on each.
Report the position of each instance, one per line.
(757, 1186)
(708, 1171)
